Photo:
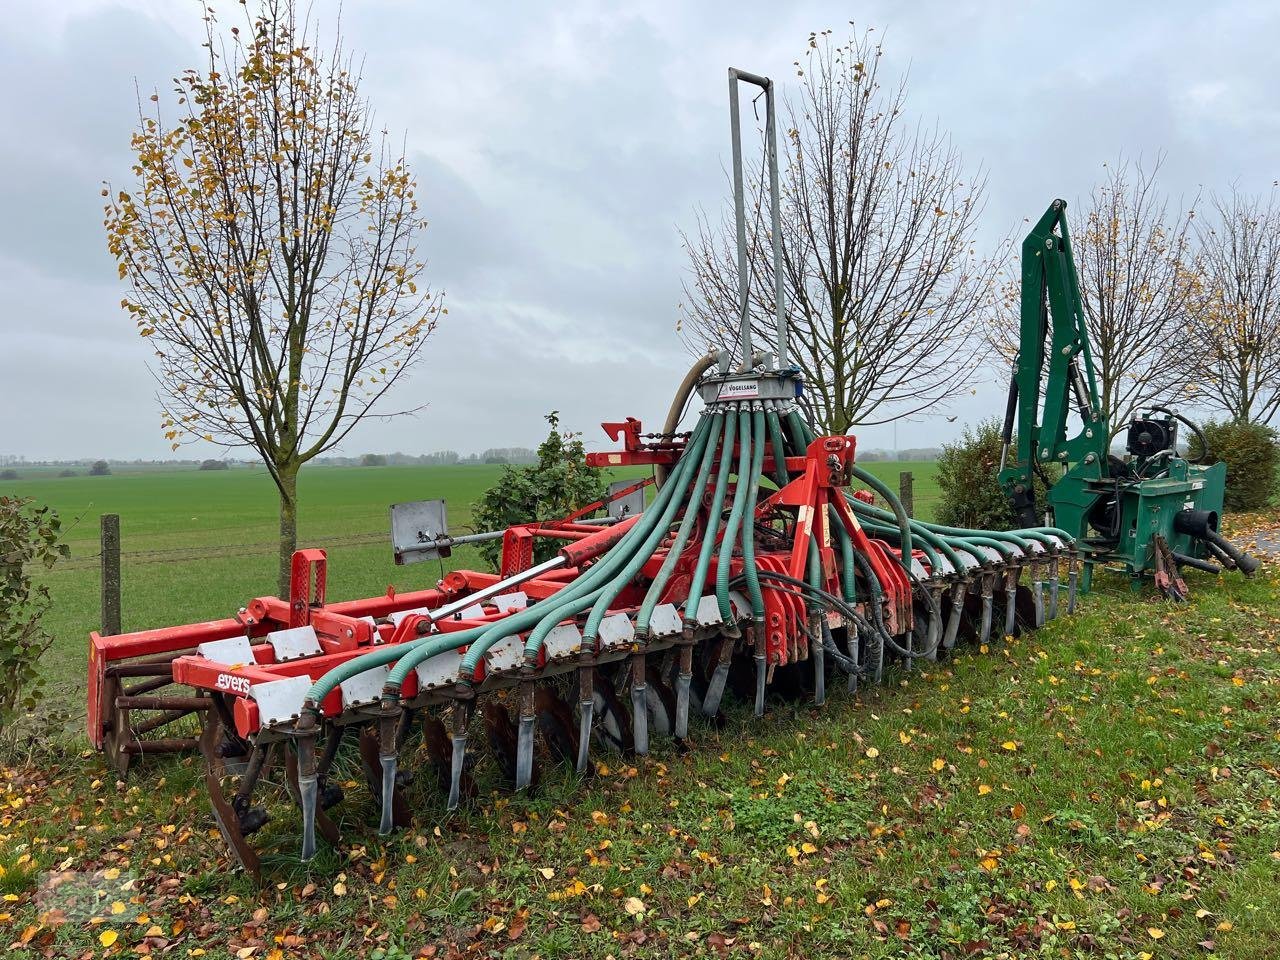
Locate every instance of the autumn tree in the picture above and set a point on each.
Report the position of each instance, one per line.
(1235, 355)
(270, 244)
(1138, 284)
(883, 288)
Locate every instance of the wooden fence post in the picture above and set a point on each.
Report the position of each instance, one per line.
(110, 574)
(905, 493)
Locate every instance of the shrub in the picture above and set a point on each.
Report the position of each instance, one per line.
(100, 468)
(8, 474)
(968, 475)
(373, 460)
(1249, 450)
(29, 537)
(557, 484)
(214, 465)
(68, 473)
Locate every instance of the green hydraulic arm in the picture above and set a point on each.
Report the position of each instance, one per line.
(1052, 334)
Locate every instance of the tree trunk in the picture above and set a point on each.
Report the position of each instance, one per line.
(288, 524)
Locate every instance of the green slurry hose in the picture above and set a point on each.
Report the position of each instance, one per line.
(697, 583)
(740, 496)
(687, 523)
(684, 473)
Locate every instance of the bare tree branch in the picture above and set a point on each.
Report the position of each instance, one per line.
(1235, 356)
(885, 291)
(270, 244)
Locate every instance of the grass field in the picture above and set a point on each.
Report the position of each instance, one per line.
(1106, 787)
(197, 544)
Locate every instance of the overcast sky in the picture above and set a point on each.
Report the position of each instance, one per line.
(560, 148)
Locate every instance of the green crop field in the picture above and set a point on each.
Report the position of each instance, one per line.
(197, 545)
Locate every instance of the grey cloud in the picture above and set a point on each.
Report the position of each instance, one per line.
(70, 111)
(559, 150)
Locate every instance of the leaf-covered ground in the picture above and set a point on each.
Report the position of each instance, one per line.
(1106, 787)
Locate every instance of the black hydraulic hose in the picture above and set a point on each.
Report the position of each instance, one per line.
(845, 662)
(1207, 566)
(877, 604)
(1247, 565)
(1206, 453)
(1010, 408)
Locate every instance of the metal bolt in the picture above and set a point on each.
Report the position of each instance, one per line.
(1066, 351)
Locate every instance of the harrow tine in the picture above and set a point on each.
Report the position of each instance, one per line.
(1010, 610)
(851, 630)
(1053, 589)
(388, 725)
(586, 707)
(323, 825)
(984, 633)
(1037, 595)
(1073, 577)
(684, 679)
(462, 719)
(308, 784)
(820, 663)
(761, 667)
(932, 639)
(715, 688)
(953, 620)
(374, 758)
(524, 737)
(639, 705)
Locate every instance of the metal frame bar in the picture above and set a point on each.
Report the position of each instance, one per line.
(740, 216)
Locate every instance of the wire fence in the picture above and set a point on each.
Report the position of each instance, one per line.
(924, 506)
(213, 551)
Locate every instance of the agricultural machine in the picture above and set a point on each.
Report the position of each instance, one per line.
(1150, 511)
(763, 565)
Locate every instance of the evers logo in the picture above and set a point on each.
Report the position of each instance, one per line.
(228, 681)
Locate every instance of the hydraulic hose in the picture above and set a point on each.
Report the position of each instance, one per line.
(680, 481)
(725, 557)
(729, 626)
(574, 602)
(593, 579)
(749, 527)
(780, 475)
(678, 403)
(699, 579)
(687, 522)
(899, 512)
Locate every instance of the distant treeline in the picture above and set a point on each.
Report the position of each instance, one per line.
(910, 453)
(441, 458)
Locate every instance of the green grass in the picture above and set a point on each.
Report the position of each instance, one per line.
(197, 545)
(1105, 787)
